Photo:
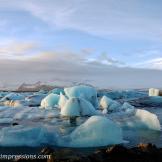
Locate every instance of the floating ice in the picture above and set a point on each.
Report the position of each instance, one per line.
(154, 92)
(77, 107)
(62, 100)
(57, 91)
(96, 131)
(149, 119)
(82, 91)
(109, 104)
(122, 94)
(12, 96)
(35, 100)
(15, 103)
(23, 136)
(127, 107)
(50, 101)
(137, 119)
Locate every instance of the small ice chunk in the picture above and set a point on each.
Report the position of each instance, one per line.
(50, 101)
(154, 92)
(127, 107)
(12, 96)
(35, 100)
(109, 104)
(149, 119)
(96, 131)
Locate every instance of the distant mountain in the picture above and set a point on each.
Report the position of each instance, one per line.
(35, 87)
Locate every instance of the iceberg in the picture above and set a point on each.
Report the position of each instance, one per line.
(109, 104)
(82, 91)
(137, 119)
(23, 136)
(127, 107)
(148, 119)
(35, 100)
(50, 101)
(155, 92)
(78, 107)
(96, 131)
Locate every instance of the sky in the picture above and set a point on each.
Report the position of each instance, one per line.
(51, 40)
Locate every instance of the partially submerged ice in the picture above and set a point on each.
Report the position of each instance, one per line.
(62, 101)
(12, 96)
(109, 104)
(82, 91)
(57, 91)
(35, 100)
(78, 107)
(149, 119)
(155, 92)
(50, 101)
(137, 119)
(96, 131)
(23, 136)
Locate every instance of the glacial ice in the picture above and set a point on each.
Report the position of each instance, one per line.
(77, 107)
(50, 101)
(23, 136)
(96, 131)
(137, 119)
(109, 104)
(35, 99)
(82, 91)
(149, 119)
(154, 92)
(122, 94)
(12, 96)
(57, 91)
(62, 101)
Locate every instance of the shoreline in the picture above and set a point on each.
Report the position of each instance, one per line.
(117, 153)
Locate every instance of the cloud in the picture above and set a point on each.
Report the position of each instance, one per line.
(155, 63)
(64, 69)
(100, 18)
(17, 50)
(109, 18)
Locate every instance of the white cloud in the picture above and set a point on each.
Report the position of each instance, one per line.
(62, 69)
(155, 63)
(17, 50)
(106, 18)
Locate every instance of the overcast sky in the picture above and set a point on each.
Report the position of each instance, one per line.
(72, 39)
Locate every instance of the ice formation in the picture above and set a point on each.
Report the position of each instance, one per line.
(62, 100)
(149, 119)
(96, 131)
(127, 107)
(82, 91)
(12, 96)
(50, 101)
(23, 136)
(35, 100)
(154, 92)
(77, 107)
(109, 104)
(15, 103)
(57, 91)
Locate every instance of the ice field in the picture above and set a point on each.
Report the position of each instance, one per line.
(80, 116)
